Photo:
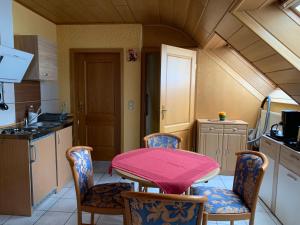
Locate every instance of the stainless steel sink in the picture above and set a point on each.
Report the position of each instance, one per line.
(44, 124)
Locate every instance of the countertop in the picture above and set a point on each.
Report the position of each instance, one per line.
(217, 121)
(40, 131)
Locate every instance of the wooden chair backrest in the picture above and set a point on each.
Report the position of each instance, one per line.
(246, 185)
(171, 137)
(158, 202)
(79, 158)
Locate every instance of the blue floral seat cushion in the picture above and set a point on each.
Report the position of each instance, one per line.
(221, 200)
(106, 195)
(163, 141)
(154, 212)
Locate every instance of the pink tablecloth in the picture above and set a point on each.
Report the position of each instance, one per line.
(174, 171)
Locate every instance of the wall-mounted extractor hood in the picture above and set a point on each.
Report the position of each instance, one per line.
(13, 63)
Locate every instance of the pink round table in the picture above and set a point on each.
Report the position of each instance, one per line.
(155, 167)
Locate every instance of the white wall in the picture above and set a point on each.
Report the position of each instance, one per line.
(6, 35)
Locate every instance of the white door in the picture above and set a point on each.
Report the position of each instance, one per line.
(178, 73)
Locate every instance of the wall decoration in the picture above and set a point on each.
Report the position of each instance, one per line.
(132, 55)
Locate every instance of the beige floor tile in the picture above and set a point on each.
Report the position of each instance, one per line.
(46, 204)
(86, 218)
(64, 205)
(25, 220)
(70, 193)
(53, 218)
(110, 220)
(3, 218)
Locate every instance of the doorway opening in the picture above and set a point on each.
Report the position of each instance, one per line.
(150, 105)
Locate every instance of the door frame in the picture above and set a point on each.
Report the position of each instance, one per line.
(145, 50)
(73, 97)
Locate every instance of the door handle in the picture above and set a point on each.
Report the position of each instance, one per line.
(163, 112)
(80, 106)
(32, 153)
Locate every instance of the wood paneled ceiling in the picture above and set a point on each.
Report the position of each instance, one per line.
(198, 18)
(261, 55)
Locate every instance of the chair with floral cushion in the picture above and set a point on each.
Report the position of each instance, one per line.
(240, 202)
(101, 198)
(162, 140)
(160, 209)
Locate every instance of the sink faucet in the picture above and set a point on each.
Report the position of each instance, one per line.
(32, 116)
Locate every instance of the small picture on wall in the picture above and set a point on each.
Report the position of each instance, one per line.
(132, 55)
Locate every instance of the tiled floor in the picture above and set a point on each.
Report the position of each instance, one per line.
(60, 208)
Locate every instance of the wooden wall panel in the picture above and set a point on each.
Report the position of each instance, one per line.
(273, 63)
(26, 93)
(228, 26)
(285, 76)
(243, 38)
(257, 51)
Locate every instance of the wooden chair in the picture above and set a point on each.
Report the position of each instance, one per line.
(101, 198)
(240, 202)
(158, 209)
(162, 140)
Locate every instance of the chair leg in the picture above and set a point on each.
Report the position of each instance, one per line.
(204, 221)
(92, 218)
(79, 218)
(232, 222)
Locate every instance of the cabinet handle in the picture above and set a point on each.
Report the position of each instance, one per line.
(294, 157)
(211, 128)
(292, 176)
(58, 139)
(268, 143)
(234, 129)
(46, 74)
(32, 152)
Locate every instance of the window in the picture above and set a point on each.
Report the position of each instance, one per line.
(297, 9)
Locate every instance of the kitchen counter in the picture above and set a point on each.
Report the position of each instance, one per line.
(32, 133)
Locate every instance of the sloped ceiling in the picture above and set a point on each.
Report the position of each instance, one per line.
(198, 18)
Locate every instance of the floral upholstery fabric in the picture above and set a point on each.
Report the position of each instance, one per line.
(246, 175)
(106, 195)
(163, 141)
(84, 170)
(154, 212)
(221, 200)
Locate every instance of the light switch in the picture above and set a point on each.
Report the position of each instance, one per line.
(131, 105)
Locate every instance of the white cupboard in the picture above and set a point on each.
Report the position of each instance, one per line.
(221, 140)
(271, 149)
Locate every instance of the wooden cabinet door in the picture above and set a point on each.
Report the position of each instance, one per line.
(63, 142)
(232, 143)
(211, 145)
(288, 197)
(43, 167)
(177, 92)
(47, 53)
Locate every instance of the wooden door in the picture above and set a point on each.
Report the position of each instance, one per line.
(177, 94)
(43, 167)
(63, 142)
(97, 87)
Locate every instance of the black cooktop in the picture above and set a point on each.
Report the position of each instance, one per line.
(292, 143)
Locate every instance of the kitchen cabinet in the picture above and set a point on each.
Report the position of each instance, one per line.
(43, 167)
(63, 142)
(44, 63)
(288, 196)
(268, 189)
(221, 140)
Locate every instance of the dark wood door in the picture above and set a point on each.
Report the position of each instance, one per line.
(97, 98)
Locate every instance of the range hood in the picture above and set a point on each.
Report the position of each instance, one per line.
(13, 64)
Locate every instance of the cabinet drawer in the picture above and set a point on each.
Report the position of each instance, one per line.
(211, 126)
(234, 130)
(211, 130)
(290, 159)
(270, 147)
(238, 126)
